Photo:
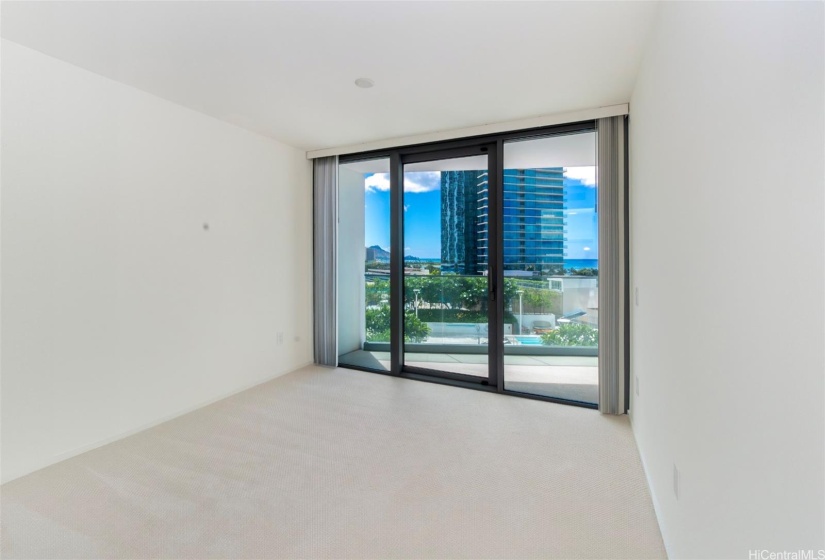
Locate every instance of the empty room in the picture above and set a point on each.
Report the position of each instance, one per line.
(448, 280)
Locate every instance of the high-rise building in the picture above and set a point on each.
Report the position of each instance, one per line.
(459, 230)
(533, 222)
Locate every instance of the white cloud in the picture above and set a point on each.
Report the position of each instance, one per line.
(586, 175)
(377, 182)
(422, 181)
(418, 182)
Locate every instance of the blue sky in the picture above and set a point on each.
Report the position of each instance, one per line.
(422, 209)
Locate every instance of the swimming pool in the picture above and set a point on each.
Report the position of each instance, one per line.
(529, 339)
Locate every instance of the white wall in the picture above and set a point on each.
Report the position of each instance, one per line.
(118, 308)
(727, 144)
(351, 257)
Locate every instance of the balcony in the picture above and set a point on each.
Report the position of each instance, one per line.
(550, 335)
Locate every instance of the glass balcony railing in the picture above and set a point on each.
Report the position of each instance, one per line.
(452, 309)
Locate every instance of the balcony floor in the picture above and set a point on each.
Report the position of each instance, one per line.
(573, 378)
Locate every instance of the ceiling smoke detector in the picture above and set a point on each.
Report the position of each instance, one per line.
(364, 83)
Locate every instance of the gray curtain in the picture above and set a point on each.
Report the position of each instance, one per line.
(610, 170)
(325, 260)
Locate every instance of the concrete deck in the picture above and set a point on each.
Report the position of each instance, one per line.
(566, 377)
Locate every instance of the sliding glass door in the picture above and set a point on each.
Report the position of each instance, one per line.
(475, 262)
(446, 273)
(550, 255)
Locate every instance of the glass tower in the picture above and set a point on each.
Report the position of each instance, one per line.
(459, 227)
(533, 222)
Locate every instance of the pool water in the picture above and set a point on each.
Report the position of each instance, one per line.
(536, 340)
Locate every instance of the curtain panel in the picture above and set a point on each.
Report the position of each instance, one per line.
(325, 260)
(610, 173)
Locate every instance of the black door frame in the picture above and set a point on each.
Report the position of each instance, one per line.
(494, 144)
(488, 149)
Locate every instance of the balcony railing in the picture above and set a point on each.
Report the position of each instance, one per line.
(450, 310)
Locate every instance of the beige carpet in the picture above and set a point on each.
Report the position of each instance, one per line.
(334, 463)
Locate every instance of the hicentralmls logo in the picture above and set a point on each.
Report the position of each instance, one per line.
(786, 555)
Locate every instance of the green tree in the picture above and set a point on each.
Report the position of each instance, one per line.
(441, 291)
(412, 283)
(473, 292)
(378, 326)
(572, 334)
(468, 293)
(583, 272)
(510, 292)
(542, 300)
(377, 291)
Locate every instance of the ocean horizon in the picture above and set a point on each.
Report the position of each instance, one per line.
(581, 263)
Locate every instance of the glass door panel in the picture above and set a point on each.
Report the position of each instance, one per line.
(446, 307)
(550, 249)
(364, 264)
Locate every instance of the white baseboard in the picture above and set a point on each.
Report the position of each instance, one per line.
(657, 509)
